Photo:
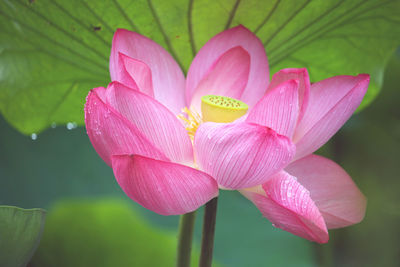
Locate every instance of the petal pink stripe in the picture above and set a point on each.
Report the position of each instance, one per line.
(241, 155)
(227, 77)
(332, 102)
(110, 133)
(167, 77)
(123, 75)
(163, 187)
(218, 45)
(287, 204)
(304, 85)
(136, 74)
(278, 109)
(337, 197)
(154, 120)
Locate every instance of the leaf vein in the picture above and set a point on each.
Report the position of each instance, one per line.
(190, 28)
(52, 41)
(80, 22)
(125, 16)
(285, 23)
(232, 14)
(59, 103)
(166, 38)
(51, 23)
(303, 42)
(304, 28)
(108, 27)
(268, 16)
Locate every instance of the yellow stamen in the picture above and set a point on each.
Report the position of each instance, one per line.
(192, 121)
(221, 108)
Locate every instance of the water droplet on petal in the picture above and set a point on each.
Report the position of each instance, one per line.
(107, 114)
(33, 136)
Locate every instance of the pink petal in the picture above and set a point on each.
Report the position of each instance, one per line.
(135, 74)
(167, 77)
(304, 85)
(340, 201)
(240, 155)
(221, 43)
(154, 120)
(278, 109)
(287, 204)
(332, 102)
(163, 187)
(110, 133)
(228, 76)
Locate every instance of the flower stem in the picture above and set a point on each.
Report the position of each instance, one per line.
(207, 242)
(185, 236)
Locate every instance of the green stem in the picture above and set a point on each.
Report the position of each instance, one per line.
(207, 242)
(185, 236)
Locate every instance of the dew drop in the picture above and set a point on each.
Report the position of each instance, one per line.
(33, 136)
(71, 125)
(107, 114)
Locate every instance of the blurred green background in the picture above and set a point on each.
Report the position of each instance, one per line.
(90, 222)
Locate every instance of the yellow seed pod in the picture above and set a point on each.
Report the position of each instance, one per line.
(221, 108)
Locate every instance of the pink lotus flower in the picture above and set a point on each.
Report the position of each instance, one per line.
(266, 154)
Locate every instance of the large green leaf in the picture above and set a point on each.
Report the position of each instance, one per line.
(52, 52)
(20, 232)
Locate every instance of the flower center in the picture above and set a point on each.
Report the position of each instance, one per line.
(213, 108)
(221, 108)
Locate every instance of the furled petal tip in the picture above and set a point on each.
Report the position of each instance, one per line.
(135, 74)
(301, 75)
(145, 55)
(163, 187)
